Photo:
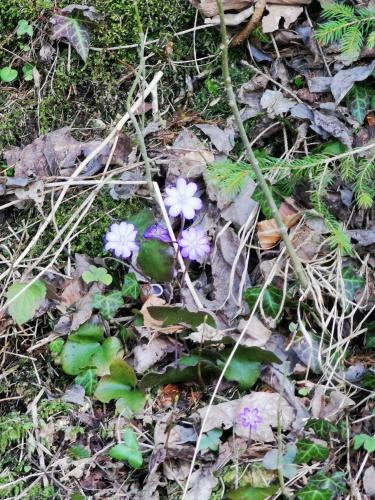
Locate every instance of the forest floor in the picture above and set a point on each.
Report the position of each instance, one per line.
(166, 330)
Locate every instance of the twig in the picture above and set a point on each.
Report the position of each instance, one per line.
(298, 268)
(251, 24)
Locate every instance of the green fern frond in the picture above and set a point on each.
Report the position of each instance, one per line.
(371, 40)
(228, 176)
(342, 12)
(364, 185)
(330, 32)
(347, 169)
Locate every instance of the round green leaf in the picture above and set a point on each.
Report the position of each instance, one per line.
(99, 274)
(156, 260)
(108, 351)
(23, 308)
(88, 380)
(118, 384)
(7, 74)
(128, 451)
(80, 347)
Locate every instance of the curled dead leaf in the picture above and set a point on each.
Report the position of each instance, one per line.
(268, 232)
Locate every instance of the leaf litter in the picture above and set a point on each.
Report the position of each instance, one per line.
(142, 341)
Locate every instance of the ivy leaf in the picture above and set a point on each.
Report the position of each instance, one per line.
(211, 440)
(23, 308)
(156, 260)
(80, 348)
(24, 28)
(352, 282)
(128, 451)
(108, 351)
(307, 451)
(73, 31)
(171, 315)
(271, 461)
(88, 380)
(108, 304)
(311, 493)
(335, 482)
(131, 287)
(358, 102)
(272, 299)
(252, 493)
(365, 441)
(322, 428)
(7, 74)
(118, 384)
(99, 274)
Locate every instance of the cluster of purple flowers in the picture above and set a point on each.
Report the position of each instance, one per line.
(181, 200)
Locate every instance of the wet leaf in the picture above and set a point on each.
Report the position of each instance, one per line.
(118, 384)
(23, 308)
(73, 31)
(99, 274)
(108, 304)
(128, 451)
(252, 493)
(80, 347)
(309, 451)
(156, 260)
(131, 287)
(174, 315)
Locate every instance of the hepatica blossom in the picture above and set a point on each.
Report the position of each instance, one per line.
(120, 239)
(250, 418)
(194, 244)
(181, 200)
(157, 232)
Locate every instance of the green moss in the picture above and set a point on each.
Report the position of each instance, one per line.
(91, 231)
(48, 408)
(13, 427)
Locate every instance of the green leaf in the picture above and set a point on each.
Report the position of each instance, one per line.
(358, 102)
(322, 428)
(27, 70)
(131, 287)
(352, 282)
(99, 274)
(88, 380)
(309, 451)
(272, 299)
(108, 351)
(170, 376)
(171, 315)
(370, 340)
(156, 260)
(118, 384)
(24, 28)
(365, 441)
(131, 402)
(23, 308)
(73, 31)
(272, 461)
(128, 451)
(252, 493)
(311, 493)
(368, 380)
(80, 348)
(142, 221)
(56, 347)
(7, 74)
(108, 304)
(77, 452)
(333, 148)
(211, 440)
(335, 482)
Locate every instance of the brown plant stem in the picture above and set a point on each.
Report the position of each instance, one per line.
(251, 24)
(297, 265)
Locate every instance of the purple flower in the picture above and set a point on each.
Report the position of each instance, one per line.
(194, 244)
(250, 418)
(120, 239)
(181, 199)
(157, 232)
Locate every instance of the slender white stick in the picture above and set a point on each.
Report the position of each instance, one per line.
(189, 284)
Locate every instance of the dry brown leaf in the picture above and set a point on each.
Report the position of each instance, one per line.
(276, 13)
(73, 291)
(268, 232)
(256, 334)
(148, 320)
(146, 355)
